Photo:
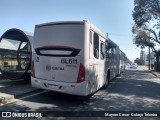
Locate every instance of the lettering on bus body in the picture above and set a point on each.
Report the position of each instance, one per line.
(48, 68)
(71, 61)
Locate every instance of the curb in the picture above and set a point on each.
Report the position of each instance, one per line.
(7, 98)
(153, 73)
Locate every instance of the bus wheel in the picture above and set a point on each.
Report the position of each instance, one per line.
(107, 81)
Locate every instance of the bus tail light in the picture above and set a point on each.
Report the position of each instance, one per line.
(81, 74)
(33, 69)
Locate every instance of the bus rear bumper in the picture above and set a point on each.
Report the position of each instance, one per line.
(80, 89)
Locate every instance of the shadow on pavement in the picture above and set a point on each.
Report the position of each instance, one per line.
(133, 91)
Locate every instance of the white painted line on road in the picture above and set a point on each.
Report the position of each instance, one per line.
(21, 98)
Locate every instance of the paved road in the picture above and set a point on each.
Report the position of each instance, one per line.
(135, 90)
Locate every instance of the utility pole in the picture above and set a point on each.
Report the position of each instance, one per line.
(149, 60)
(149, 56)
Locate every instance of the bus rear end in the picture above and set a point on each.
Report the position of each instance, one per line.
(57, 61)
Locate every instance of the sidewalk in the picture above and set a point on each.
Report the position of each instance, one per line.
(10, 89)
(156, 73)
(15, 87)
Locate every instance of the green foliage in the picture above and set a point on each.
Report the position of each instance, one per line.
(146, 11)
(139, 61)
(141, 38)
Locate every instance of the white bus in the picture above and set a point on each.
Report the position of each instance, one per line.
(112, 59)
(72, 57)
(122, 61)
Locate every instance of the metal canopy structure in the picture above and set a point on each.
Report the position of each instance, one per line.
(16, 53)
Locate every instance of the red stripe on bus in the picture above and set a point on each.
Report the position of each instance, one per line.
(57, 47)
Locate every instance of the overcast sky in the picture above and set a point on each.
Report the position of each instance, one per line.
(110, 16)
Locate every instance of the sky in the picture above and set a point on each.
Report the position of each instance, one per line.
(110, 16)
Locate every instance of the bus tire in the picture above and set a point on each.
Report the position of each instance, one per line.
(107, 80)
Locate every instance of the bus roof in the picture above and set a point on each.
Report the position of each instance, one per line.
(60, 22)
(74, 22)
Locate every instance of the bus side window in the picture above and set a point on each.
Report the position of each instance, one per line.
(90, 35)
(112, 52)
(107, 49)
(96, 46)
(102, 51)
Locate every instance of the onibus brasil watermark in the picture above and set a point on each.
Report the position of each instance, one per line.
(21, 114)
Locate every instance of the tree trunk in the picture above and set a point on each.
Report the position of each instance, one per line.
(157, 57)
(157, 63)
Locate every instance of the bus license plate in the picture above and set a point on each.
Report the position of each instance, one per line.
(53, 86)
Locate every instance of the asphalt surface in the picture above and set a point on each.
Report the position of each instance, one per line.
(134, 90)
(15, 87)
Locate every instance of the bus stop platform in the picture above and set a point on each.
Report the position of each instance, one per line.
(6, 98)
(13, 89)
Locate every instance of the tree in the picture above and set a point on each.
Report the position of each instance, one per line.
(139, 61)
(146, 15)
(146, 11)
(142, 38)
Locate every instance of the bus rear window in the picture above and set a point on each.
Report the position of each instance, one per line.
(57, 51)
